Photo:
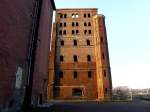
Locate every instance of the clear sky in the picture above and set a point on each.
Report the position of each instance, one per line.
(128, 33)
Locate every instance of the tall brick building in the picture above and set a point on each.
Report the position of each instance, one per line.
(79, 61)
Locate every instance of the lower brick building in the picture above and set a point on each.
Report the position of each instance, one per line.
(79, 66)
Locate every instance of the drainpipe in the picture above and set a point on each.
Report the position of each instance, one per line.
(32, 53)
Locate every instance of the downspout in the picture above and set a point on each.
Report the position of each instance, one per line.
(32, 52)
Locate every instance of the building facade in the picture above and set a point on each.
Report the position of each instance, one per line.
(79, 66)
(24, 22)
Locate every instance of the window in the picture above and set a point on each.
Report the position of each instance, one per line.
(77, 15)
(104, 73)
(62, 42)
(60, 32)
(73, 15)
(89, 24)
(106, 90)
(75, 75)
(85, 24)
(89, 15)
(103, 56)
(75, 58)
(85, 15)
(88, 42)
(90, 32)
(65, 15)
(60, 25)
(60, 74)
(88, 58)
(64, 32)
(61, 15)
(65, 25)
(89, 74)
(102, 39)
(72, 23)
(77, 24)
(72, 31)
(77, 31)
(76, 92)
(75, 42)
(85, 31)
(61, 58)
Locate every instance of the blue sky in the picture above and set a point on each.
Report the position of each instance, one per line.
(128, 33)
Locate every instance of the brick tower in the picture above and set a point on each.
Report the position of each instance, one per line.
(79, 66)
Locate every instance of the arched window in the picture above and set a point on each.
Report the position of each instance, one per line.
(85, 24)
(72, 31)
(72, 23)
(85, 31)
(89, 15)
(65, 15)
(75, 42)
(61, 58)
(77, 31)
(65, 24)
(88, 58)
(64, 32)
(77, 24)
(90, 31)
(89, 24)
(88, 42)
(85, 15)
(75, 75)
(60, 74)
(89, 74)
(62, 42)
(75, 58)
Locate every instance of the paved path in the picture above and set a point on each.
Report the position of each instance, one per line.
(102, 107)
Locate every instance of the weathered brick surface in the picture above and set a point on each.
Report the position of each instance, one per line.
(92, 88)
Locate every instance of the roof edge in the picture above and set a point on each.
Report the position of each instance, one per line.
(53, 4)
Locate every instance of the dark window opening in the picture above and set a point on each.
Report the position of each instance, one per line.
(104, 73)
(72, 31)
(77, 31)
(60, 32)
(102, 39)
(72, 23)
(90, 32)
(88, 58)
(75, 42)
(77, 92)
(85, 31)
(65, 15)
(60, 25)
(61, 58)
(89, 74)
(65, 25)
(64, 32)
(103, 56)
(106, 90)
(61, 15)
(62, 42)
(85, 15)
(85, 24)
(89, 24)
(89, 15)
(75, 58)
(77, 24)
(75, 75)
(88, 42)
(60, 74)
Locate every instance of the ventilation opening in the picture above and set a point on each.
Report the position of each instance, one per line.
(77, 92)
